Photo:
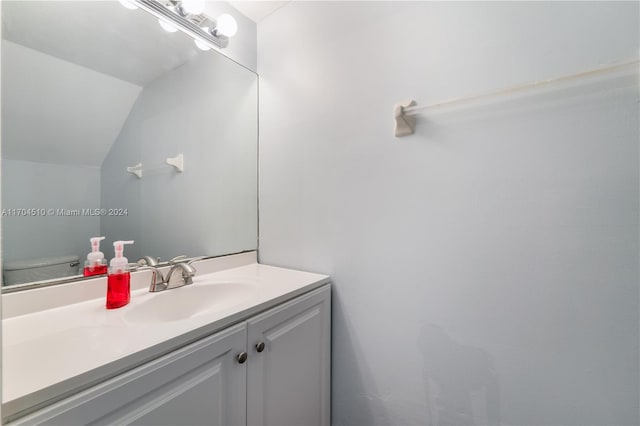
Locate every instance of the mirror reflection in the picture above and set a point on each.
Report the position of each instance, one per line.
(103, 90)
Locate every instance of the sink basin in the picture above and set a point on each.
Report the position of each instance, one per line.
(189, 301)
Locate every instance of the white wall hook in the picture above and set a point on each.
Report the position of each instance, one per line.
(405, 124)
(177, 162)
(136, 170)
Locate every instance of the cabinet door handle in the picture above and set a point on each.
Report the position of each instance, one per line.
(242, 357)
(260, 347)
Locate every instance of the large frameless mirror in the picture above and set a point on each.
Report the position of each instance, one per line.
(95, 99)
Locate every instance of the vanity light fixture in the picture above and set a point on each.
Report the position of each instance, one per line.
(191, 7)
(188, 16)
(226, 25)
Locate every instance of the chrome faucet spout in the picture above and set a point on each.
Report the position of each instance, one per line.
(187, 274)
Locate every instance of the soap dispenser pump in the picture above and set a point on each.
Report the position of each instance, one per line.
(118, 280)
(95, 264)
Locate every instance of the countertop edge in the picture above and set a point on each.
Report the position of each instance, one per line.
(32, 300)
(19, 407)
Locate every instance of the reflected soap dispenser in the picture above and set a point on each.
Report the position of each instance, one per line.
(95, 264)
(118, 280)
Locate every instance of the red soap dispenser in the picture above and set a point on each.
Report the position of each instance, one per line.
(95, 264)
(118, 280)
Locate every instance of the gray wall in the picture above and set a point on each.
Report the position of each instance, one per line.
(60, 120)
(50, 186)
(78, 111)
(206, 110)
(486, 268)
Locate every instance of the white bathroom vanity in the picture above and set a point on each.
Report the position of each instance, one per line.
(244, 344)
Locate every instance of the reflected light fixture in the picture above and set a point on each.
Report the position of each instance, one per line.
(167, 26)
(192, 7)
(201, 44)
(188, 16)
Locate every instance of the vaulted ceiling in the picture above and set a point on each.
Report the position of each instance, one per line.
(71, 72)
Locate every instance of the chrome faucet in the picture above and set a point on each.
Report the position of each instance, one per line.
(187, 270)
(173, 279)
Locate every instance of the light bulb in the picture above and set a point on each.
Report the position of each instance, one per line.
(167, 26)
(128, 4)
(193, 7)
(226, 25)
(201, 45)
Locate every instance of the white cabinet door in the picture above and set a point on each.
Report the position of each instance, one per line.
(288, 381)
(200, 384)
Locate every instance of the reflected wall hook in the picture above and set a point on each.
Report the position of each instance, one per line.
(176, 162)
(136, 170)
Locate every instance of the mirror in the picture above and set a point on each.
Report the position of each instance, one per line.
(90, 89)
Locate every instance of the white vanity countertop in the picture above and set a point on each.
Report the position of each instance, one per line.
(55, 352)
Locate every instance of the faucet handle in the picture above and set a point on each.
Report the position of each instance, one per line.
(177, 259)
(149, 261)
